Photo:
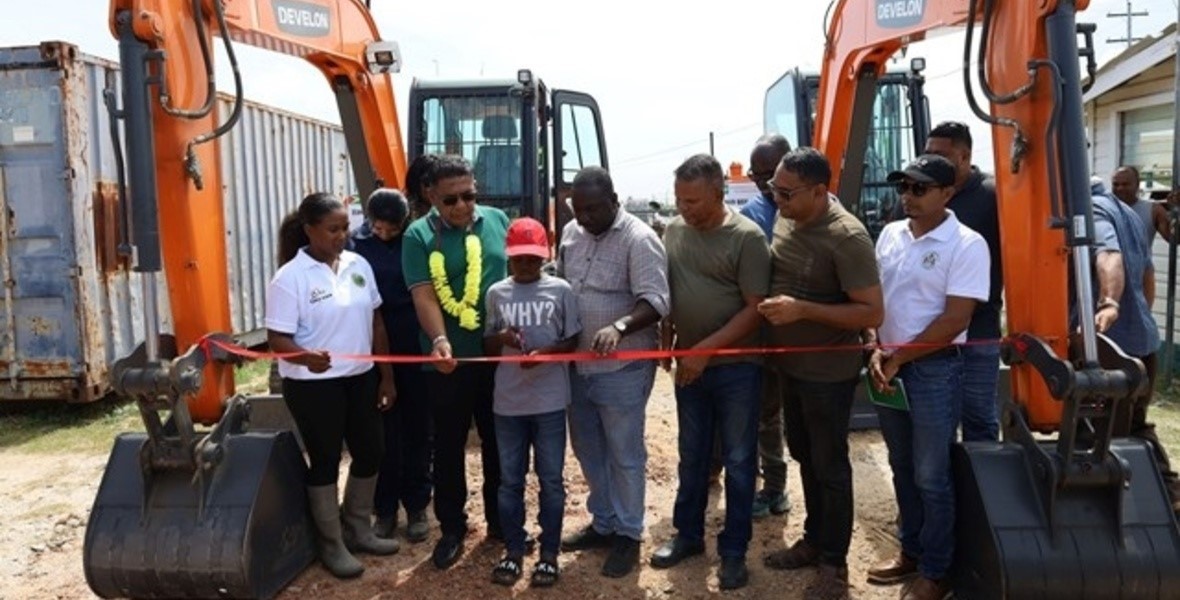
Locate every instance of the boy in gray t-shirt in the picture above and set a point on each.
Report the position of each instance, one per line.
(530, 313)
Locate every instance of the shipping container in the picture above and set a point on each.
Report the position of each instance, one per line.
(71, 303)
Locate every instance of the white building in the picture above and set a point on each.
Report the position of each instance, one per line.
(1130, 112)
(1130, 116)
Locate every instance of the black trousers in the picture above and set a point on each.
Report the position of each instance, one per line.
(456, 399)
(330, 412)
(815, 418)
(405, 471)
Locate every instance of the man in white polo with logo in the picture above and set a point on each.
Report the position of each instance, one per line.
(934, 270)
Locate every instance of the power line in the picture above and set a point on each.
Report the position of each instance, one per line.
(659, 153)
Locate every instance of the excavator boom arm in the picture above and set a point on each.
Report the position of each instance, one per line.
(174, 185)
(1037, 162)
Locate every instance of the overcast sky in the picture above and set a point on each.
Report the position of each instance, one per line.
(665, 73)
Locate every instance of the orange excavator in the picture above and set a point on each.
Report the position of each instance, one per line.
(1037, 517)
(182, 512)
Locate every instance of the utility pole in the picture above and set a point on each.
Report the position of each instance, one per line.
(1130, 16)
(711, 144)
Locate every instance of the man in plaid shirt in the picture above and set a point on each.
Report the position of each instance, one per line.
(618, 270)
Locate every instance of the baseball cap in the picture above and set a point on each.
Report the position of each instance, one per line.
(527, 237)
(927, 168)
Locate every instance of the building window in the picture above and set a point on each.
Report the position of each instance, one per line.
(1146, 144)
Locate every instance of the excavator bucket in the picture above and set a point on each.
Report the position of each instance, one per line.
(240, 529)
(1019, 538)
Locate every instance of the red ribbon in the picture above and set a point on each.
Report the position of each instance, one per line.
(583, 356)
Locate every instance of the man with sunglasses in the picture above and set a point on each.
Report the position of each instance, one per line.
(764, 158)
(768, 151)
(469, 239)
(974, 204)
(934, 270)
(824, 290)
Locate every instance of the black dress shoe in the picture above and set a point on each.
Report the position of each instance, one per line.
(623, 557)
(733, 573)
(674, 551)
(447, 551)
(586, 538)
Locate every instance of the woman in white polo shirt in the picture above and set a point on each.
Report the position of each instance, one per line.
(321, 306)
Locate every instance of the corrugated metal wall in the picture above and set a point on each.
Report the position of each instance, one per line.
(74, 306)
(269, 162)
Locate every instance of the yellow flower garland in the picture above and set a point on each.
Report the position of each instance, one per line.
(462, 309)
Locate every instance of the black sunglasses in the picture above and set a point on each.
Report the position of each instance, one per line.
(454, 199)
(917, 189)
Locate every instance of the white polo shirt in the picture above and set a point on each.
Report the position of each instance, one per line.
(325, 311)
(917, 275)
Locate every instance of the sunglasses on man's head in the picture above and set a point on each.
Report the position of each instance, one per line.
(453, 199)
(916, 189)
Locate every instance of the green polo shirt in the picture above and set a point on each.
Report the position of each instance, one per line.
(430, 233)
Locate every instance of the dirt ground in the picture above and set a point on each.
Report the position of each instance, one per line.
(47, 498)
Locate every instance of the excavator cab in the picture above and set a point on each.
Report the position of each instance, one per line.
(898, 126)
(1062, 507)
(524, 141)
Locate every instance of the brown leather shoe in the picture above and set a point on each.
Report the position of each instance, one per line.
(900, 568)
(830, 583)
(926, 589)
(799, 555)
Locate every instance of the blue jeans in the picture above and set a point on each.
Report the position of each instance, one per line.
(545, 434)
(919, 443)
(726, 399)
(606, 417)
(981, 374)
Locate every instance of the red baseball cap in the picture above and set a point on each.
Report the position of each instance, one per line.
(527, 237)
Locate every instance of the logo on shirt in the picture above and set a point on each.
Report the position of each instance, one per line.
(319, 294)
(358, 280)
(930, 260)
(535, 313)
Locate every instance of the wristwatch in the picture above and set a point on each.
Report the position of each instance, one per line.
(620, 326)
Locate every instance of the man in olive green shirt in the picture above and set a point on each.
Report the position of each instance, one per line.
(824, 290)
(718, 267)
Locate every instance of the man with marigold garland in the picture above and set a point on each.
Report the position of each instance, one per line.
(616, 265)
(450, 259)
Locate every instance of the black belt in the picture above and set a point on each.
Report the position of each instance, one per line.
(952, 351)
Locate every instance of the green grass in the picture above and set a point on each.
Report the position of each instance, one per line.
(1165, 413)
(253, 377)
(67, 428)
